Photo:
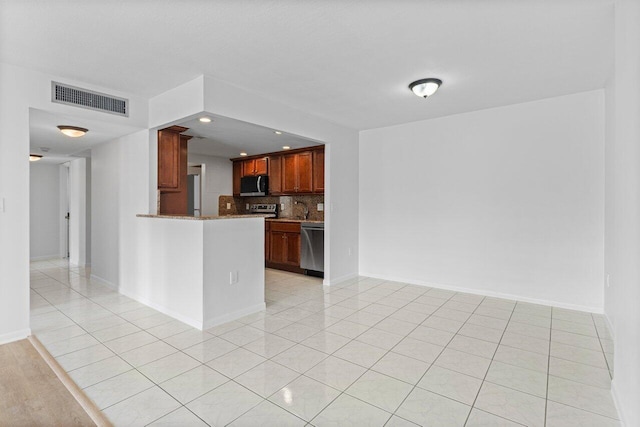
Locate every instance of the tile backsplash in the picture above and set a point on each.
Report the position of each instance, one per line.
(291, 209)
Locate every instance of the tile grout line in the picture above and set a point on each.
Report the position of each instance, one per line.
(473, 405)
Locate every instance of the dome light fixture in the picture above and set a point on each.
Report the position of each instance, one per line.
(34, 157)
(243, 154)
(277, 132)
(205, 119)
(286, 147)
(425, 87)
(73, 131)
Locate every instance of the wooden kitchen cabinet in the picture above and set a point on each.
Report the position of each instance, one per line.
(237, 174)
(172, 170)
(253, 167)
(318, 171)
(169, 160)
(284, 246)
(297, 173)
(275, 175)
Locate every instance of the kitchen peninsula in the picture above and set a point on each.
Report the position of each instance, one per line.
(204, 271)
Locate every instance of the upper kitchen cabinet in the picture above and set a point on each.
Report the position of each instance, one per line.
(253, 167)
(318, 171)
(172, 170)
(297, 173)
(169, 178)
(275, 175)
(237, 174)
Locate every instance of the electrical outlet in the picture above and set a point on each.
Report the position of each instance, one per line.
(281, 206)
(608, 282)
(233, 277)
(228, 206)
(247, 206)
(320, 207)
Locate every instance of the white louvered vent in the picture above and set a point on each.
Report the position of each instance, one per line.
(70, 95)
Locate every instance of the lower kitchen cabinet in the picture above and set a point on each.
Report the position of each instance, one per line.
(284, 246)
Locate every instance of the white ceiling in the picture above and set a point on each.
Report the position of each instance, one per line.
(225, 137)
(43, 132)
(348, 61)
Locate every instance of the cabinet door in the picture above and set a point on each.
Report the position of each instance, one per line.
(289, 175)
(277, 247)
(248, 168)
(293, 249)
(168, 160)
(275, 175)
(237, 174)
(318, 171)
(304, 166)
(261, 166)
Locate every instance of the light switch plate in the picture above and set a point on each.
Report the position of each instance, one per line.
(228, 206)
(281, 206)
(320, 207)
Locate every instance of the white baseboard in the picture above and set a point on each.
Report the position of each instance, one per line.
(15, 336)
(335, 281)
(486, 292)
(612, 331)
(102, 281)
(616, 401)
(45, 257)
(209, 323)
(164, 310)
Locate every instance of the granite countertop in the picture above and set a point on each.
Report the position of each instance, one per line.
(294, 220)
(203, 218)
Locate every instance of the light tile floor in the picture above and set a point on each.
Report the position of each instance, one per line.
(365, 352)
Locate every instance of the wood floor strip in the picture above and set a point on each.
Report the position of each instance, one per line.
(87, 404)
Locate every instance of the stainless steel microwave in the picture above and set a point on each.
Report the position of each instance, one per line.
(254, 185)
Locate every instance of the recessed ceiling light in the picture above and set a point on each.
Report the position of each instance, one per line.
(73, 131)
(425, 87)
(44, 149)
(34, 157)
(243, 154)
(277, 132)
(286, 147)
(205, 119)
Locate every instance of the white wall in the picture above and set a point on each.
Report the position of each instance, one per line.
(44, 211)
(505, 201)
(217, 180)
(79, 208)
(622, 229)
(63, 205)
(120, 191)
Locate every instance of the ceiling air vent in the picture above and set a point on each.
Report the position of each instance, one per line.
(70, 95)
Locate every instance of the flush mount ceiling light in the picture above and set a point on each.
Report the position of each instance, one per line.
(243, 154)
(205, 119)
(277, 132)
(34, 157)
(286, 147)
(73, 131)
(425, 87)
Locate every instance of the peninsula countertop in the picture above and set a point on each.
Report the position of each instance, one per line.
(294, 220)
(203, 218)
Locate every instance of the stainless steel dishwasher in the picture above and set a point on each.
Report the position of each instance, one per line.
(312, 247)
